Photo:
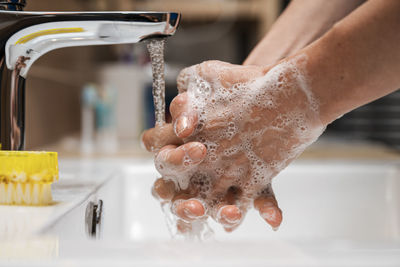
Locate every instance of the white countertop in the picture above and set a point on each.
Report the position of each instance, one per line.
(78, 179)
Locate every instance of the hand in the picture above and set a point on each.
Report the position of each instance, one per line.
(234, 128)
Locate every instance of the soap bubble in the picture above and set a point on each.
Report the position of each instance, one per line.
(251, 130)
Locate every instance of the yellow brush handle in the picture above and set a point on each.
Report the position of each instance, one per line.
(28, 167)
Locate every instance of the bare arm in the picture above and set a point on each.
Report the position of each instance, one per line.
(358, 60)
(301, 23)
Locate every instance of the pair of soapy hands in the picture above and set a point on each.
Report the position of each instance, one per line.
(233, 129)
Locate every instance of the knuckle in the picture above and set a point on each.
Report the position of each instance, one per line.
(177, 104)
(148, 140)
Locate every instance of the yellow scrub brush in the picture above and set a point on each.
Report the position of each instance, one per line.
(26, 177)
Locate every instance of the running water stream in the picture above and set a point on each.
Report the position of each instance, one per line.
(156, 51)
(198, 230)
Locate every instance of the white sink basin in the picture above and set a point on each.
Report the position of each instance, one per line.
(335, 214)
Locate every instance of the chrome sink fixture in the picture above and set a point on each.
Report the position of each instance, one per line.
(26, 36)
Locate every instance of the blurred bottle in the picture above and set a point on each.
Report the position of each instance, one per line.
(98, 129)
(89, 96)
(106, 130)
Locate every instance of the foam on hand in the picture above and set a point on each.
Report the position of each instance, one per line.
(252, 130)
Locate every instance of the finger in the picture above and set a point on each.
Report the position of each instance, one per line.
(163, 189)
(230, 216)
(156, 138)
(188, 209)
(229, 74)
(208, 70)
(239, 74)
(178, 105)
(179, 163)
(189, 154)
(269, 210)
(168, 155)
(184, 119)
(227, 212)
(186, 76)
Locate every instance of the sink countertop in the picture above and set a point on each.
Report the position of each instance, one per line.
(130, 239)
(77, 181)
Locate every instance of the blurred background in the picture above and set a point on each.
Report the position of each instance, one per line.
(98, 99)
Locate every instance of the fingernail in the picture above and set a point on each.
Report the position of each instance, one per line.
(271, 216)
(235, 214)
(196, 152)
(181, 125)
(193, 209)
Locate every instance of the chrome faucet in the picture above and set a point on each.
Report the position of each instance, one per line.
(26, 36)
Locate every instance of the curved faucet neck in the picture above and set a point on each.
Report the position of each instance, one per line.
(25, 36)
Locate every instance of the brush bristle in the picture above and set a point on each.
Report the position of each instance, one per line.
(26, 177)
(25, 194)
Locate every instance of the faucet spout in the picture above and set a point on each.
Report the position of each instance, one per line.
(26, 36)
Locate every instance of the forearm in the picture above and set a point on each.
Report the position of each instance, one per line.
(358, 60)
(301, 23)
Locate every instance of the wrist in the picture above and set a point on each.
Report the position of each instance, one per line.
(303, 98)
(326, 75)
